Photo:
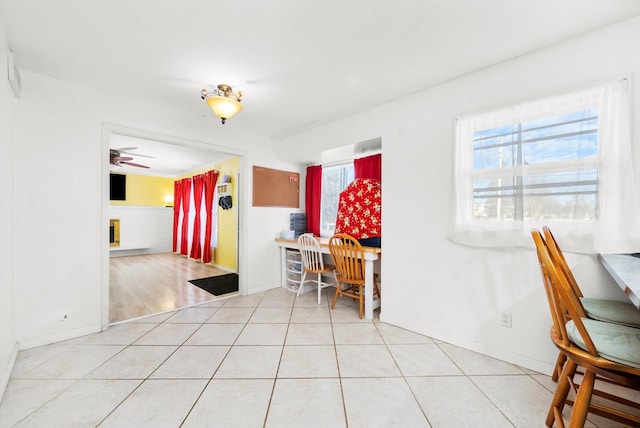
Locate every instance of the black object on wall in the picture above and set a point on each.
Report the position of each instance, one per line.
(225, 202)
(117, 187)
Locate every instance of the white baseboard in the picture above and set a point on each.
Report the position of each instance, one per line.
(224, 268)
(59, 337)
(519, 360)
(4, 378)
(265, 287)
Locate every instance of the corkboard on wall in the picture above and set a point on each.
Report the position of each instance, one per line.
(275, 188)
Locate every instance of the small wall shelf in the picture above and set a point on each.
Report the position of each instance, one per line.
(224, 189)
(114, 233)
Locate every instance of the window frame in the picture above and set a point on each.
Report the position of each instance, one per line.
(615, 230)
(347, 165)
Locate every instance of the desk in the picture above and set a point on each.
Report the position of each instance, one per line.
(370, 256)
(625, 270)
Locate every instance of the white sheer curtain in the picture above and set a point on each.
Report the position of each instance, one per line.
(616, 228)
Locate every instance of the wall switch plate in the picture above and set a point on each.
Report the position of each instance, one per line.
(505, 319)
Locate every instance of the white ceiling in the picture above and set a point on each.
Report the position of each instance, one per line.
(299, 63)
(163, 159)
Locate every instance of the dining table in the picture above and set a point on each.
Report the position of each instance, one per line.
(625, 270)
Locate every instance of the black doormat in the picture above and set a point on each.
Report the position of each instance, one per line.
(218, 285)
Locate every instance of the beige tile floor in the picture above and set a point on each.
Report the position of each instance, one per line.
(268, 360)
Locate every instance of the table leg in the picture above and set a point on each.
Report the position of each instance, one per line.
(368, 289)
(283, 267)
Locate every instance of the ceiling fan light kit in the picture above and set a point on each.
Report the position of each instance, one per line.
(223, 101)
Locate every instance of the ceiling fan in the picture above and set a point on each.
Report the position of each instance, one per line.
(116, 158)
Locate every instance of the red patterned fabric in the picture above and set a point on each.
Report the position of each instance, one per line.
(360, 208)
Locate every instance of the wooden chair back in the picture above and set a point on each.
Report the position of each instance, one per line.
(564, 304)
(347, 256)
(560, 260)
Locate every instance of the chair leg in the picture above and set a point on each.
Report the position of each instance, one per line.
(559, 365)
(562, 390)
(583, 400)
(319, 286)
(361, 292)
(335, 296)
(304, 274)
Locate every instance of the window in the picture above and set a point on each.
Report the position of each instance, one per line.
(334, 180)
(564, 161)
(543, 169)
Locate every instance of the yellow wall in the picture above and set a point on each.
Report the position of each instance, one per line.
(227, 251)
(146, 190)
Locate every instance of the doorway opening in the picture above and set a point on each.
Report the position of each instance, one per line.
(144, 259)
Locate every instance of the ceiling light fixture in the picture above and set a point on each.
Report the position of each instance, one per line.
(224, 103)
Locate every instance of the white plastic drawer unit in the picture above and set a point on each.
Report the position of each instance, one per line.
(294, 269)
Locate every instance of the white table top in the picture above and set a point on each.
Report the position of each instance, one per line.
(625, 270)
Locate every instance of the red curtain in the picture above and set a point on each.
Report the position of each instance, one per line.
(369, 167)
(210, 179)
(313, 198)
(177, 196)
(198, 184)
(186, 198)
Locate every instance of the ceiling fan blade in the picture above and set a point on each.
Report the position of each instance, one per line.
(137, 154)
(127, 150)
(134, 164)
(123, 158)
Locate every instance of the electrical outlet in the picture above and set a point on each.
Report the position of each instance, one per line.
(505, 319)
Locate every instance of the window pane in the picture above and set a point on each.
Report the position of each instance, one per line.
(552, 196)
(543, 196)
(494, 199)
(566, 137)
(561, 196)
(495, 147)
(334, 180)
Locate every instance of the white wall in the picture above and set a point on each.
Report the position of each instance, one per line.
(7, 215)
(143, 229)
(448, 291)
(61, 185)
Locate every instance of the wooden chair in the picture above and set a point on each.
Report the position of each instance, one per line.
(603, 350)
(348, 258)
(313, 263)
(614, 311)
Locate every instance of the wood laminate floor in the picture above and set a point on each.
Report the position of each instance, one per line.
(152, 283)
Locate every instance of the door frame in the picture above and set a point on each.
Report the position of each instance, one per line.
(107, 130)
